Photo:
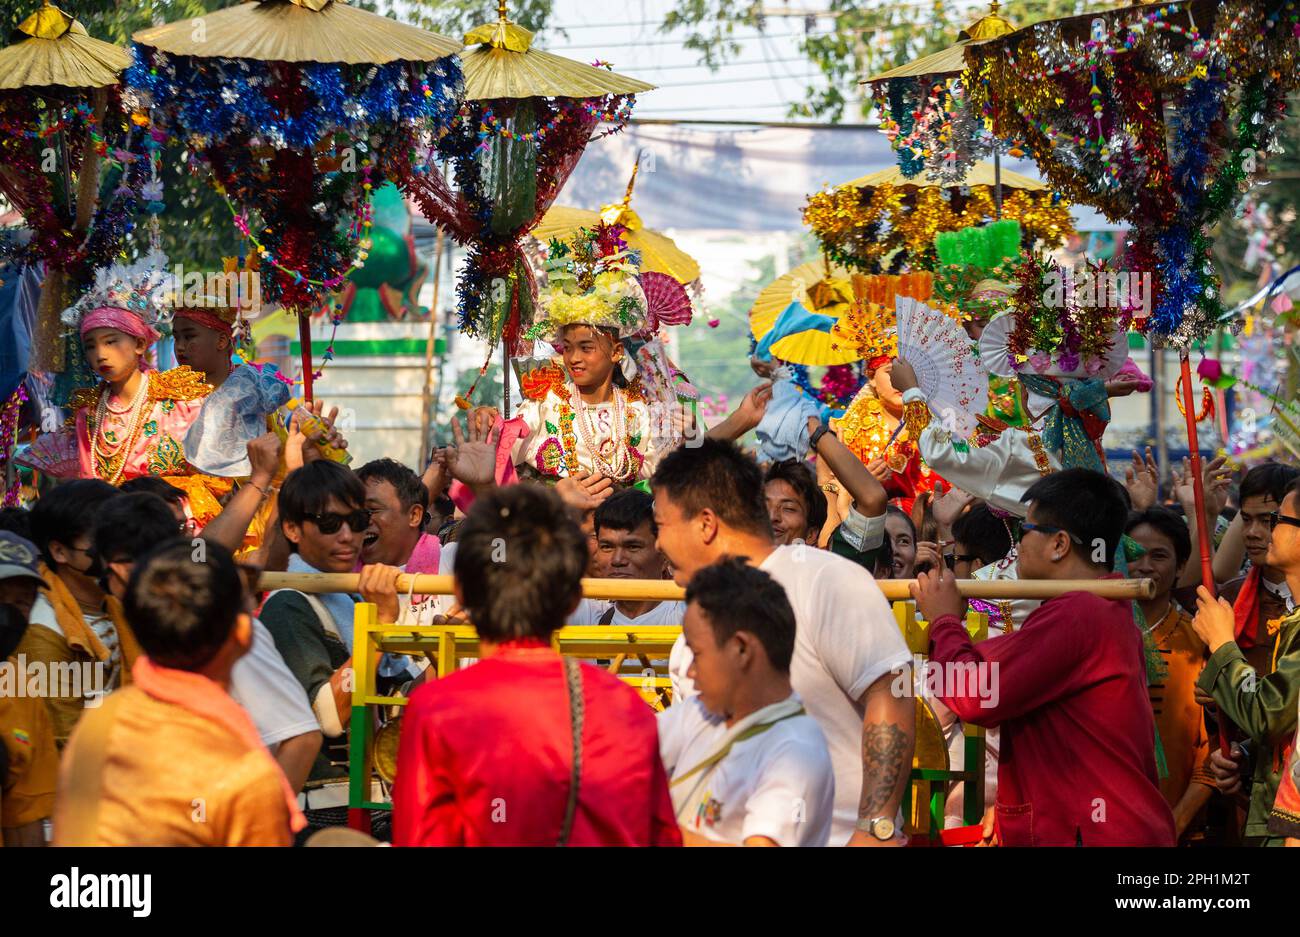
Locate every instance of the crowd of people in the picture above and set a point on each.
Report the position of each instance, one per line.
(153, 693)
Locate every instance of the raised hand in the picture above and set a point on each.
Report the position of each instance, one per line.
(948, 505)
(473, 460)
(1142, 479)
(264, 459)
(903, 376)
(584, 491)
(436, 475)
(754, 405)
(880, 470)
(300, 448)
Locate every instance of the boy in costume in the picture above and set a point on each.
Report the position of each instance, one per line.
(607, 404)
(132, 423)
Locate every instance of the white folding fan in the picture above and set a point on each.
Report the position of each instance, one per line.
(946, 366)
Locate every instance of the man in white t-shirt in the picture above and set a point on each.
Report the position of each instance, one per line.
(747, 766)
(625, 549)
(709, 504)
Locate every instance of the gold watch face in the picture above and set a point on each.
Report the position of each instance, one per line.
(882, 828)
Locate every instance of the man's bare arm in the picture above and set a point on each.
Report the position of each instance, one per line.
(888, 740)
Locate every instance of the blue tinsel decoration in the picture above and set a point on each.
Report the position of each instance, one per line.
(235, 105)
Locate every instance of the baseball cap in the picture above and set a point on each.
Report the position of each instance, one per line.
(18, 557)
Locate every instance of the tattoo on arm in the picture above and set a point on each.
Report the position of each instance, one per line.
(884, 747)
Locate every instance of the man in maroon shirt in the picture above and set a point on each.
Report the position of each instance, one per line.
(525, 748)
(1068, 689)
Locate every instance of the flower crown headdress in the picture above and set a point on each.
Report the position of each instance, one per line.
(591, 279)
(133, 298)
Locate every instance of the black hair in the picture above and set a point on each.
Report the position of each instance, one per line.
(130, 525)
(306, 491)
(17, 521)
(982, 533)
(154, 486)
(1268, 480)
(520, 560)
(1091, 506)
(899, 512)
(626, 510)
(719, 476)
(67, 512)
(801, 478)
(182, 611)
(1168, 523)
(738, 597)
(410, 489)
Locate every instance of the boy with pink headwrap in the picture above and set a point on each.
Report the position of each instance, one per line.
(133, 421)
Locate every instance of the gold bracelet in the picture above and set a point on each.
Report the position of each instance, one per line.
(916, 417)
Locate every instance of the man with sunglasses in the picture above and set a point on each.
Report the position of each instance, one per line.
(1260, 703)
(323, 517)
(1077, 762)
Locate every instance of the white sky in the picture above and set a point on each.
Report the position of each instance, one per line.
(757, 84)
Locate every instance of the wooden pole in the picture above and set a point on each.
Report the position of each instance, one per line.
(427, 395)
(666, 590)
(304, 350)
(1202, 525)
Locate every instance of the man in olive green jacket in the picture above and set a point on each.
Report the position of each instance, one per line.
(1262, 706)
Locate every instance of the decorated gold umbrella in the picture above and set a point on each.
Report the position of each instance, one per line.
(885, 216)
(528, 116)
(924, 107)
(57, 51)
(658, 252)
(300, 109)
(58, 99)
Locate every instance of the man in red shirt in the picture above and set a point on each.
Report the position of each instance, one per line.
(525, 748)
(1068, 689)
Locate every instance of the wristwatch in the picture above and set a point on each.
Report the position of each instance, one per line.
(882, 828)
(817, 435)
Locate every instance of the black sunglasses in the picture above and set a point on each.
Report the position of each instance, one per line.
(1275, 518)
(952, 559)
(330, 522)
(1049, 529)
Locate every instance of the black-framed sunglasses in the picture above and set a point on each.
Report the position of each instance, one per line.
(1275, 518)
(330, 522)
(952, 559)
(1049, 529)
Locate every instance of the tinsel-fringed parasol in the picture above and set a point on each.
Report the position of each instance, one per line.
(886, 218)
(57, 51)
(925, 108)
(299, 109)
(1088, 94)
(658, 252)
(527, 119)
(61, 123)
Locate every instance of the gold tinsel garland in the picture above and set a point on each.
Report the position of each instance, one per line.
(841, 219)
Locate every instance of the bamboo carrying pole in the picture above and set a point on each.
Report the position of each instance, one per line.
(667, 590)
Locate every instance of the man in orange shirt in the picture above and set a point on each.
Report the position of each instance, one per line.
(172, 760)
(1180, 721)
